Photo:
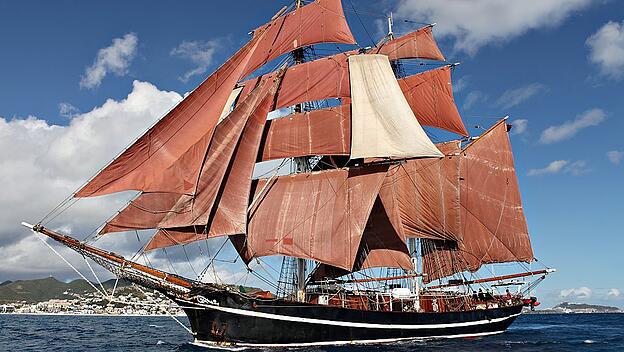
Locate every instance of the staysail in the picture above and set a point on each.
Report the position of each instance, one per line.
(430, 96)
(236, 138)
(494, 228)
(426, 194)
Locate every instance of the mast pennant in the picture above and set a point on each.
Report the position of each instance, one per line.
(198, 114)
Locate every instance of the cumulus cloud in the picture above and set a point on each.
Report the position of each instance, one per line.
(613, 293)
(460, 84)
(513, 97)
(576, 293)
(606, 49)
(519, 126)
(115, 58)
(615, 156)
(200, 53)
(68, 110)
(552, 168)
(575, 168)
(476, 23)
(44, 163)
(570, 128)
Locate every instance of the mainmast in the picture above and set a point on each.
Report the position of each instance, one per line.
(301, 164)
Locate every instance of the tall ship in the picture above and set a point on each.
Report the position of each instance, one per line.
(382, 234)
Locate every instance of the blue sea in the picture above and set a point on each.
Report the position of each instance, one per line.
(573, 332)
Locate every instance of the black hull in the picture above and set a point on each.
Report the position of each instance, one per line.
(228, 319)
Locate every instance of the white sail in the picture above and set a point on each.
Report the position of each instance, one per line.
(383, 125)
(228, 105)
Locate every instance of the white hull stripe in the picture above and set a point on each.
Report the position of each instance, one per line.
(243, 346)
(352, 324)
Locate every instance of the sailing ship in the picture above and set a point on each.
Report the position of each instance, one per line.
(381, 231)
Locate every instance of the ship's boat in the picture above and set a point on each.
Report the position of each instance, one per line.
(381, 232)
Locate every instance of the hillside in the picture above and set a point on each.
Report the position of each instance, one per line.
(585, 307)
(44, 289)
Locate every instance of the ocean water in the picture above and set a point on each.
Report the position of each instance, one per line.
(573, 332)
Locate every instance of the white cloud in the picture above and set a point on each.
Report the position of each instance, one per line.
(570, 128)
(513, 97)
(575, 168)
(606, 49)
(476, 23)
(614, 293)
(552, 168)
(460, 84)
(576, 293)
(474, 97)
(43, 163)
(519, 126)
(114, 58)
(199, 53)
(68, 110)
(615, 156)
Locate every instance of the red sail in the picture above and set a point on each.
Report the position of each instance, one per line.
(493, 220)
(318, 132)
(430, 95)
(321, 215)
(415, 45)
(321, 21)
(494, 228)
(197, 115)
(381, 247)
(165, 142)
(319, 79)
(226, 148)
(426, 192)
(144, 212)
(193, 208)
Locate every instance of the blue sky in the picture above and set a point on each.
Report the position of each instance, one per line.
(531, 61)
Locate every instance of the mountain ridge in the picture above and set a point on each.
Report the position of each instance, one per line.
(39, 290)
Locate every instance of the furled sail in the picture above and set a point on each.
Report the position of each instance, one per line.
(418, 44)
(197, 115)
(317, 132)
(383, 125)
(430, 95)
(494, 228)
(322, 215)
